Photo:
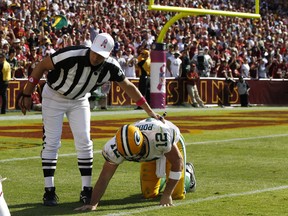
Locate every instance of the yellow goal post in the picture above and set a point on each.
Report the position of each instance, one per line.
(186, 11)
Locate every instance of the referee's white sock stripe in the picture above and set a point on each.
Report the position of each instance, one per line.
(85, 160)
(85, 167)
(49, 161)
(48, 167)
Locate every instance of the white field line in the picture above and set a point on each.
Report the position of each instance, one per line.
(206, 199)
(38, 157)
(193, 143)
(238, 139)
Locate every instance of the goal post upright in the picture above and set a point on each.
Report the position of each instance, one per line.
(158, 50)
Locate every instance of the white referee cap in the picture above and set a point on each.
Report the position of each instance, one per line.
(103, 44)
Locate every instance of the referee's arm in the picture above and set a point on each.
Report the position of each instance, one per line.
(43, 66)
(25, 98)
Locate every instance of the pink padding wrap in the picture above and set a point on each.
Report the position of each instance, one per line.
(33, 80)
(141, 101)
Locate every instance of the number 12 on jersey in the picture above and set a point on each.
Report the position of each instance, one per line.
(161, 139)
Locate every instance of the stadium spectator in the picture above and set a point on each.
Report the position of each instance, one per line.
(137, 42)
(170, 51)
(122, 48)
(181, 42)
(262, 69)
(48, 49)
(32, 39)
(192, 89)
(86, 39)
(33, 59)
(214, 53)
(144, 63)
(130, 62)
(22, 61)
(245, 68)
(147, 37)
(19, 30)
(12, 60)
(174, 65)
(6, 48)
(3, 36)
(16, 43)
(194, 48)
(254, 65)
(5, 76)
(185, 62)
(203, 62)
(234, 63)
(224, 94)
(277, 69)
(24, 46)
(243, 91)
(224, 70)
(120, 58)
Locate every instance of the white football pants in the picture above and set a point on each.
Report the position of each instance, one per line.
(54, 107)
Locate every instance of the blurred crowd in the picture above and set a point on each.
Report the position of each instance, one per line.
(219, 46)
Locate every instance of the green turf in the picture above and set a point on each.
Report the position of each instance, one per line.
(241, 166)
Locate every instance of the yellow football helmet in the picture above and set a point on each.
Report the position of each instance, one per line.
(129, 140)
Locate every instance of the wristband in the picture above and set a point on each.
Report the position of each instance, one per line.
(175, 175)
(33, 80)
(141, 101)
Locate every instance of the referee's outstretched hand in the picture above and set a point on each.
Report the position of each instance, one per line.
(24, 103)
(161, 118)
(157, 116)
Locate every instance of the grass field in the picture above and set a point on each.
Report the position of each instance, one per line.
(240, 157)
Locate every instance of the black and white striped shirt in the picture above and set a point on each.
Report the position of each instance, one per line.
(74, 76)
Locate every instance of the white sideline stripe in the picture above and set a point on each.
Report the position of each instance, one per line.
(237, 139)
(37, 157)
(193, 143)
(211, 198)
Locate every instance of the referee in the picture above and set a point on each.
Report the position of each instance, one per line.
(74, 72)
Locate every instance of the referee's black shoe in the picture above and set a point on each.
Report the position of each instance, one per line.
(85, 195)
(50, 198)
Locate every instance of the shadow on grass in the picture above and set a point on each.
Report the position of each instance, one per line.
(105, 206)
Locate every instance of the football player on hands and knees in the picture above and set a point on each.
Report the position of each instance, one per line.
(160, 149)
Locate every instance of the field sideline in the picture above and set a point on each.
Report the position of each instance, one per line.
(240, 156)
